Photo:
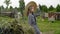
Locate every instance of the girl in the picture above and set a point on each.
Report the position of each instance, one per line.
(32, 19)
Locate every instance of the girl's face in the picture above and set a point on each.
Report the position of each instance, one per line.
(32, 9)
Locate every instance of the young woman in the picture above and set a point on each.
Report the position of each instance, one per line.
(32, 19)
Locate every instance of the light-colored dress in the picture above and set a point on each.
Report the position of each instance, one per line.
(32, 22)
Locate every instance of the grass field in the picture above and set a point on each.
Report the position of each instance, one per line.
(48, 27)
(44, 26)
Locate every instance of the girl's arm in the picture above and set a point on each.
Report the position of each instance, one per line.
(37, 12)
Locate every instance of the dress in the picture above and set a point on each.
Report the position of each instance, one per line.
(32, 22)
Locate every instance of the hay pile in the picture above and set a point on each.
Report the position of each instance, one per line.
(11, 26)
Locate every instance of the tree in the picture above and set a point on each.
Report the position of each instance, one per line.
(2, 8)
(44, 8)
(58, 8)
(11, 7)
(40, 7)
(7, 2)
(22, 6)
(51, 8)
(18, 9)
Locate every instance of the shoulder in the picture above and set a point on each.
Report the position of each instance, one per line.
(30, 16)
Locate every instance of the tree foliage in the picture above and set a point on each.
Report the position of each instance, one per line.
(21, 6)
(7, 2)
(58, 8)
(2, 8)
(11, 7)
(40, 7)
(51, 8)
(44, 8)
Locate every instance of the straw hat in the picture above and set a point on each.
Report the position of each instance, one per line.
(32, 3)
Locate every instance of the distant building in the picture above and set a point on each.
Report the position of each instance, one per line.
(8, 13)
(55, 15)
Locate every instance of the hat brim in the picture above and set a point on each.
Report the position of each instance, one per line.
(32, 3)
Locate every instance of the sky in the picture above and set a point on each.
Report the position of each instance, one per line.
(15, 3)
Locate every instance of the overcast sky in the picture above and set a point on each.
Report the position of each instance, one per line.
(15, 3)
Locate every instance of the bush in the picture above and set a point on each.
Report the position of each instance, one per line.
(11, 26)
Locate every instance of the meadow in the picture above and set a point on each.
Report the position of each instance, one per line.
(45, 26)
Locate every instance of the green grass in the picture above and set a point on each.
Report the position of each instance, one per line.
(48, 27)
(44, 26)
(5, 21)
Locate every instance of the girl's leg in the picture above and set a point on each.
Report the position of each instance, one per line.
(37, 31)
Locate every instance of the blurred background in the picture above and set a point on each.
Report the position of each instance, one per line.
(13, 19)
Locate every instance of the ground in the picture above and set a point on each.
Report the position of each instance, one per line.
(45, 26)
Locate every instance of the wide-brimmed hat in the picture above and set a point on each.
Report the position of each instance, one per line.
(32, 3)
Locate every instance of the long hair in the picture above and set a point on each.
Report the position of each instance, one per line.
(29, 10)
